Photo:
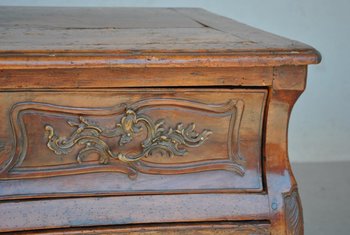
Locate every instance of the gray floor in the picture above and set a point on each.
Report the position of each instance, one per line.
(325, 195)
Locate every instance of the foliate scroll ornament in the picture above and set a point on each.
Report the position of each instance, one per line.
(293, 211)
(166, 141)
(121, 137)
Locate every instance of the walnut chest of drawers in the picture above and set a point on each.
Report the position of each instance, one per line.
(142, 120)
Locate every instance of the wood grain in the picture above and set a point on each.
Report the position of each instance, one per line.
(60, 38)
(50, 79)
(219, 228)
(87, 73)
(228, 161)
(289, 83)
(96, 211)
(294, 215)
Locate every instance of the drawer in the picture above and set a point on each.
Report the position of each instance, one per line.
(219, 228)
(135, 141)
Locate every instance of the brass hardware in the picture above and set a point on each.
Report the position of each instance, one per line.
(170, 142)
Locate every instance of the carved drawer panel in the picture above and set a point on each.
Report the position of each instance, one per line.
(130, 141)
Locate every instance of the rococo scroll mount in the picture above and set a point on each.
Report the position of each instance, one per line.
(169, 142)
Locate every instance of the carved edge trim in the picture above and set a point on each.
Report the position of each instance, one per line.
(154, 168)
(76, 169)
(18, 129)
(293, 212)
(2, 145)
(233, 135)
(20, 139)
(236, 162)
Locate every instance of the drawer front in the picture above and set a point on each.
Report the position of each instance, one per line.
(218, 228)
(130, 141)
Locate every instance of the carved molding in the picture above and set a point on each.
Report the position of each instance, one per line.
(294, 213)
(2, 145)
(174, 141)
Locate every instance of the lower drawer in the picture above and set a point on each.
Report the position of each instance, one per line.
(223, 228)
(85, 212)
(136, 141)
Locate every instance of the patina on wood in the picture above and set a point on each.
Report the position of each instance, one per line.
(192, 106)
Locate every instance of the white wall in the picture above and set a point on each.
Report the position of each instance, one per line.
(320, 123)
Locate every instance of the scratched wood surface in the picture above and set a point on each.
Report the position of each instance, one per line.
(137, 37)
(228, 159)
(86, 95)
(219, 228)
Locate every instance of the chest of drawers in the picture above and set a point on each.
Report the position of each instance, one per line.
(142, 120)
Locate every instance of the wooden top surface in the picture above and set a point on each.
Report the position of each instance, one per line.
(138, 37)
